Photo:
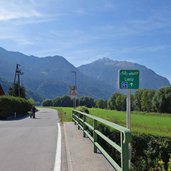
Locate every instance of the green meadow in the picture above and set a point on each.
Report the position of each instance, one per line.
(141, 122)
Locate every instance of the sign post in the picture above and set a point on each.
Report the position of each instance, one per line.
(73, 94)
(128, 79)
(128, 107)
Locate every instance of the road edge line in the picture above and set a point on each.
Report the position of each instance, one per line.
(57, 165)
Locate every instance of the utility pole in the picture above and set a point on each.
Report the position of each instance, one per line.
(17, 77)
(75, 74)
(75, 89)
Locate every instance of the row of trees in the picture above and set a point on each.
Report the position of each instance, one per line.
(142, 100)
(153, 100)
(66, 101)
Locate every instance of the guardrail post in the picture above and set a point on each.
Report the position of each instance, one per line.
(73, 117)
(84, 126)
(125, 153)
(95, 135)
(78, 120)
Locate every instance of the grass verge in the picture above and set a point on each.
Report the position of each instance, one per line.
(141, 123)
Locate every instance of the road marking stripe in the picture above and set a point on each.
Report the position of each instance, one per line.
(57, 166)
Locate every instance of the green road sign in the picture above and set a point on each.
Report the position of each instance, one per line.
(129, 79)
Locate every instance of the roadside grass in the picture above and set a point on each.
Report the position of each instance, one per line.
(141, 122)
(65, 113)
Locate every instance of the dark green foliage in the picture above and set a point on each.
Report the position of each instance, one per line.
(121, 102)
(146, 100)
(142, 100)
(162, 100)
(100, 103)
(147, 150)
(9, 105)
(137, 99)
(17, 91)
(117, 102)
(153, 100)
(112, 101)
(47, 102)
(83, 109)
(87, 101)
(64, 101)
(56, 102)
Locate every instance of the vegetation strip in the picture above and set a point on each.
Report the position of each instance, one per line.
(141, 123)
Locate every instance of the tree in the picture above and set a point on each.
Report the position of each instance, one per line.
(87, 101)
(146, 100)
(100, 103)
(47, 102)
(162, 100)
(32, 101)
(115, 101)
(17, 91)
(120, 102)
(66, 101)
(57, 101)
(137, 99)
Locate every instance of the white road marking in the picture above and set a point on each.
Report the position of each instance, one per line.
(57, 166)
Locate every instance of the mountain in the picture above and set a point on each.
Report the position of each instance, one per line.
(106, 70)
(51, 76)
(5, 85)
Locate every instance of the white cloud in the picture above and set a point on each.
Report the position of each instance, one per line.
(8, 15)
(17, 9)
(6, 37)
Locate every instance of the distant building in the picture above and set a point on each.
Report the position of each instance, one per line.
(1, 91)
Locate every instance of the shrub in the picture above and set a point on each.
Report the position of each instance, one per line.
(147, 150)
(87, 101)
(83, 109)
(9, 105)
(162, 100)
(150, 150)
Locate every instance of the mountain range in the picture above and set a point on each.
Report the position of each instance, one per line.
(48, 77)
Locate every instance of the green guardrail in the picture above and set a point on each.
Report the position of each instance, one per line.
(83, 122)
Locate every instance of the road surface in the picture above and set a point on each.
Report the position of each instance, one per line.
(29, 144)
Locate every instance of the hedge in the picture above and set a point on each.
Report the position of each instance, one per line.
(83, 109)
(10, 105)
(149, 153)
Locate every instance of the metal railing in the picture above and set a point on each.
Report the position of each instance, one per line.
(91, 130)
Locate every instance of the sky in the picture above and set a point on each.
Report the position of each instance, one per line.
(83, 31)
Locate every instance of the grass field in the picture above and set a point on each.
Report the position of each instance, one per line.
(146, 123)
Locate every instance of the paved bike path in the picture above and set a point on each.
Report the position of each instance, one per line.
(80, 155)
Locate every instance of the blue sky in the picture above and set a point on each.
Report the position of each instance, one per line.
(85, 30)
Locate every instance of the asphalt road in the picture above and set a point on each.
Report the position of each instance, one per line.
(29, 144)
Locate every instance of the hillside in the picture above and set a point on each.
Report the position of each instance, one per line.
(106, 70)
(49, 77)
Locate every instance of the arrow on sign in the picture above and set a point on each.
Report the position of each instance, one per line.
(131, 84)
